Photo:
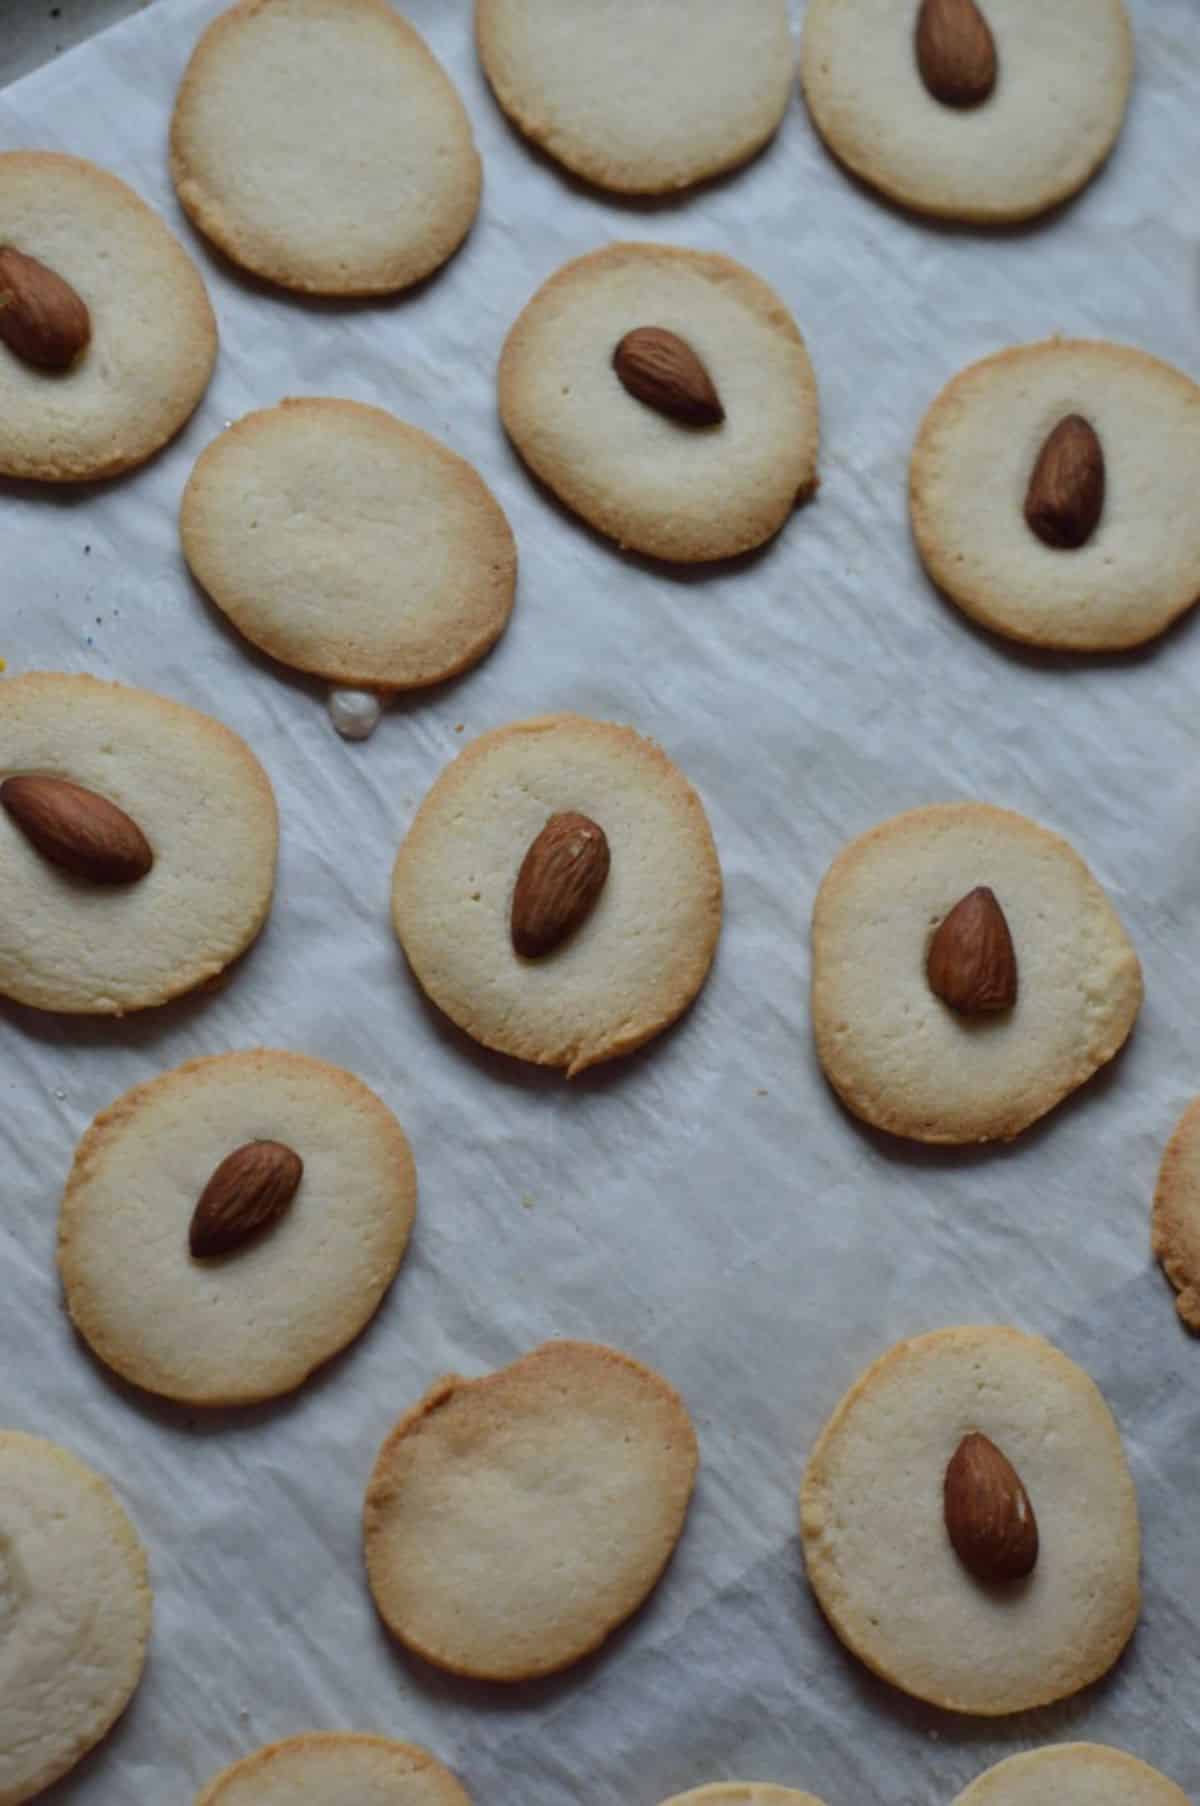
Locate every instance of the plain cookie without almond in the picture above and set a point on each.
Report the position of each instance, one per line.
(743, 1793)
(330, 1768)
(1072, 1774)
(1175, 1229)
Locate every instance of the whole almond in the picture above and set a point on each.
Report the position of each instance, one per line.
(1065, 498)
(77, 830)
(251, 1188)
(42, 318)
(560, 879)
(971, 963)
(661, 369)
(989, 1518)
(956, 53)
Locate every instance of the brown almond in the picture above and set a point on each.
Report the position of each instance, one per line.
(661, 369)
(42, 318)
(77, 830)
(956, 53)
(989, 1518)
(560, 879)
(251, 1188)
(1065, 498)
(971, 964)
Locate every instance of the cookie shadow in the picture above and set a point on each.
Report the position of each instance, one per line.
(261, 289)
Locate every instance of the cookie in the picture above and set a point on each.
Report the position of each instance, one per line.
(325, 1768)
(1063, 74)
(1176, 1221)
(653, 482)
(877, 1548)
(975, 481)
(897, 1052)
(1072, 1774)
(743, 1793)
(642, 954)
(512, 1522)
(255, 1323)
(640, 99)
(74, 1613)
(347, 544)
(153, 336)
(189, 787)
(366, 209)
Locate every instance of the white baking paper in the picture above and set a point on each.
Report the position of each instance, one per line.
(706, 1204)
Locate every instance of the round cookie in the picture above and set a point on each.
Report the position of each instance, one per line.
(74, 1613)
(880, 1560)
(1175, 1229)
(972, 465)
(640, 99)
(651, 482)
(345, 543)
(153, 335)
(512, 1522)
(367, 209)
(254, 1323)
(1056, 110)
(642, 955)
(743, 1793)
(1072, 1774)
(326, 1768)
(200, 798)
(904, 1060)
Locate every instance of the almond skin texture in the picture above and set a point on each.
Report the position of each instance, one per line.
(956, 53)
(989, 1518)
(42, 319)
(971, 964)
(1066, 491)
(250, 1189)
(77, 830)
(559, 882)
(661, 369)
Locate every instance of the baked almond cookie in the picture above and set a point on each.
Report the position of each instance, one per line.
(347, 544)
(74, 1613)
(1176, 1223)
(1052, 492)
(512, 1522)
(107, 338)
(640, 99)
(993, 1465)
(667, 397)
(967, 973)
(743, 1793)
(327, 1768)
(137, 845)
(1072, 1774)
(987, 111)
(365, 209)
(558, 894)
(233, 1224)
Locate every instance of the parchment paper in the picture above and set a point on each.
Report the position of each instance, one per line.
(705, 1205)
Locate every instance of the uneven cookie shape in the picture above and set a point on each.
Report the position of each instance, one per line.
(895, 1052)
(327, 1768)
(874, 1486)
(153, 336)
(200, 798)
(1175, 1229)
(74, 1613)
(640, 99)
(1055, 112)
(366, 209)
(969, 487)
(642, 954)
(512, 1522)
(1072, 1774)
(345, 543)
(654, 483)
(255, 1322)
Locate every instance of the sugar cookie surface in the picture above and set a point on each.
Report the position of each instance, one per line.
(1051, 120)
(330, 1768)
(74, 1612)
(875, 1543)
(364, 209)
(666, 489)
(154, 338)
(347, 544)
(512, 1522)
(1072, 1774)
(638, 98)
(743, 1793)
(1176, 1222)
